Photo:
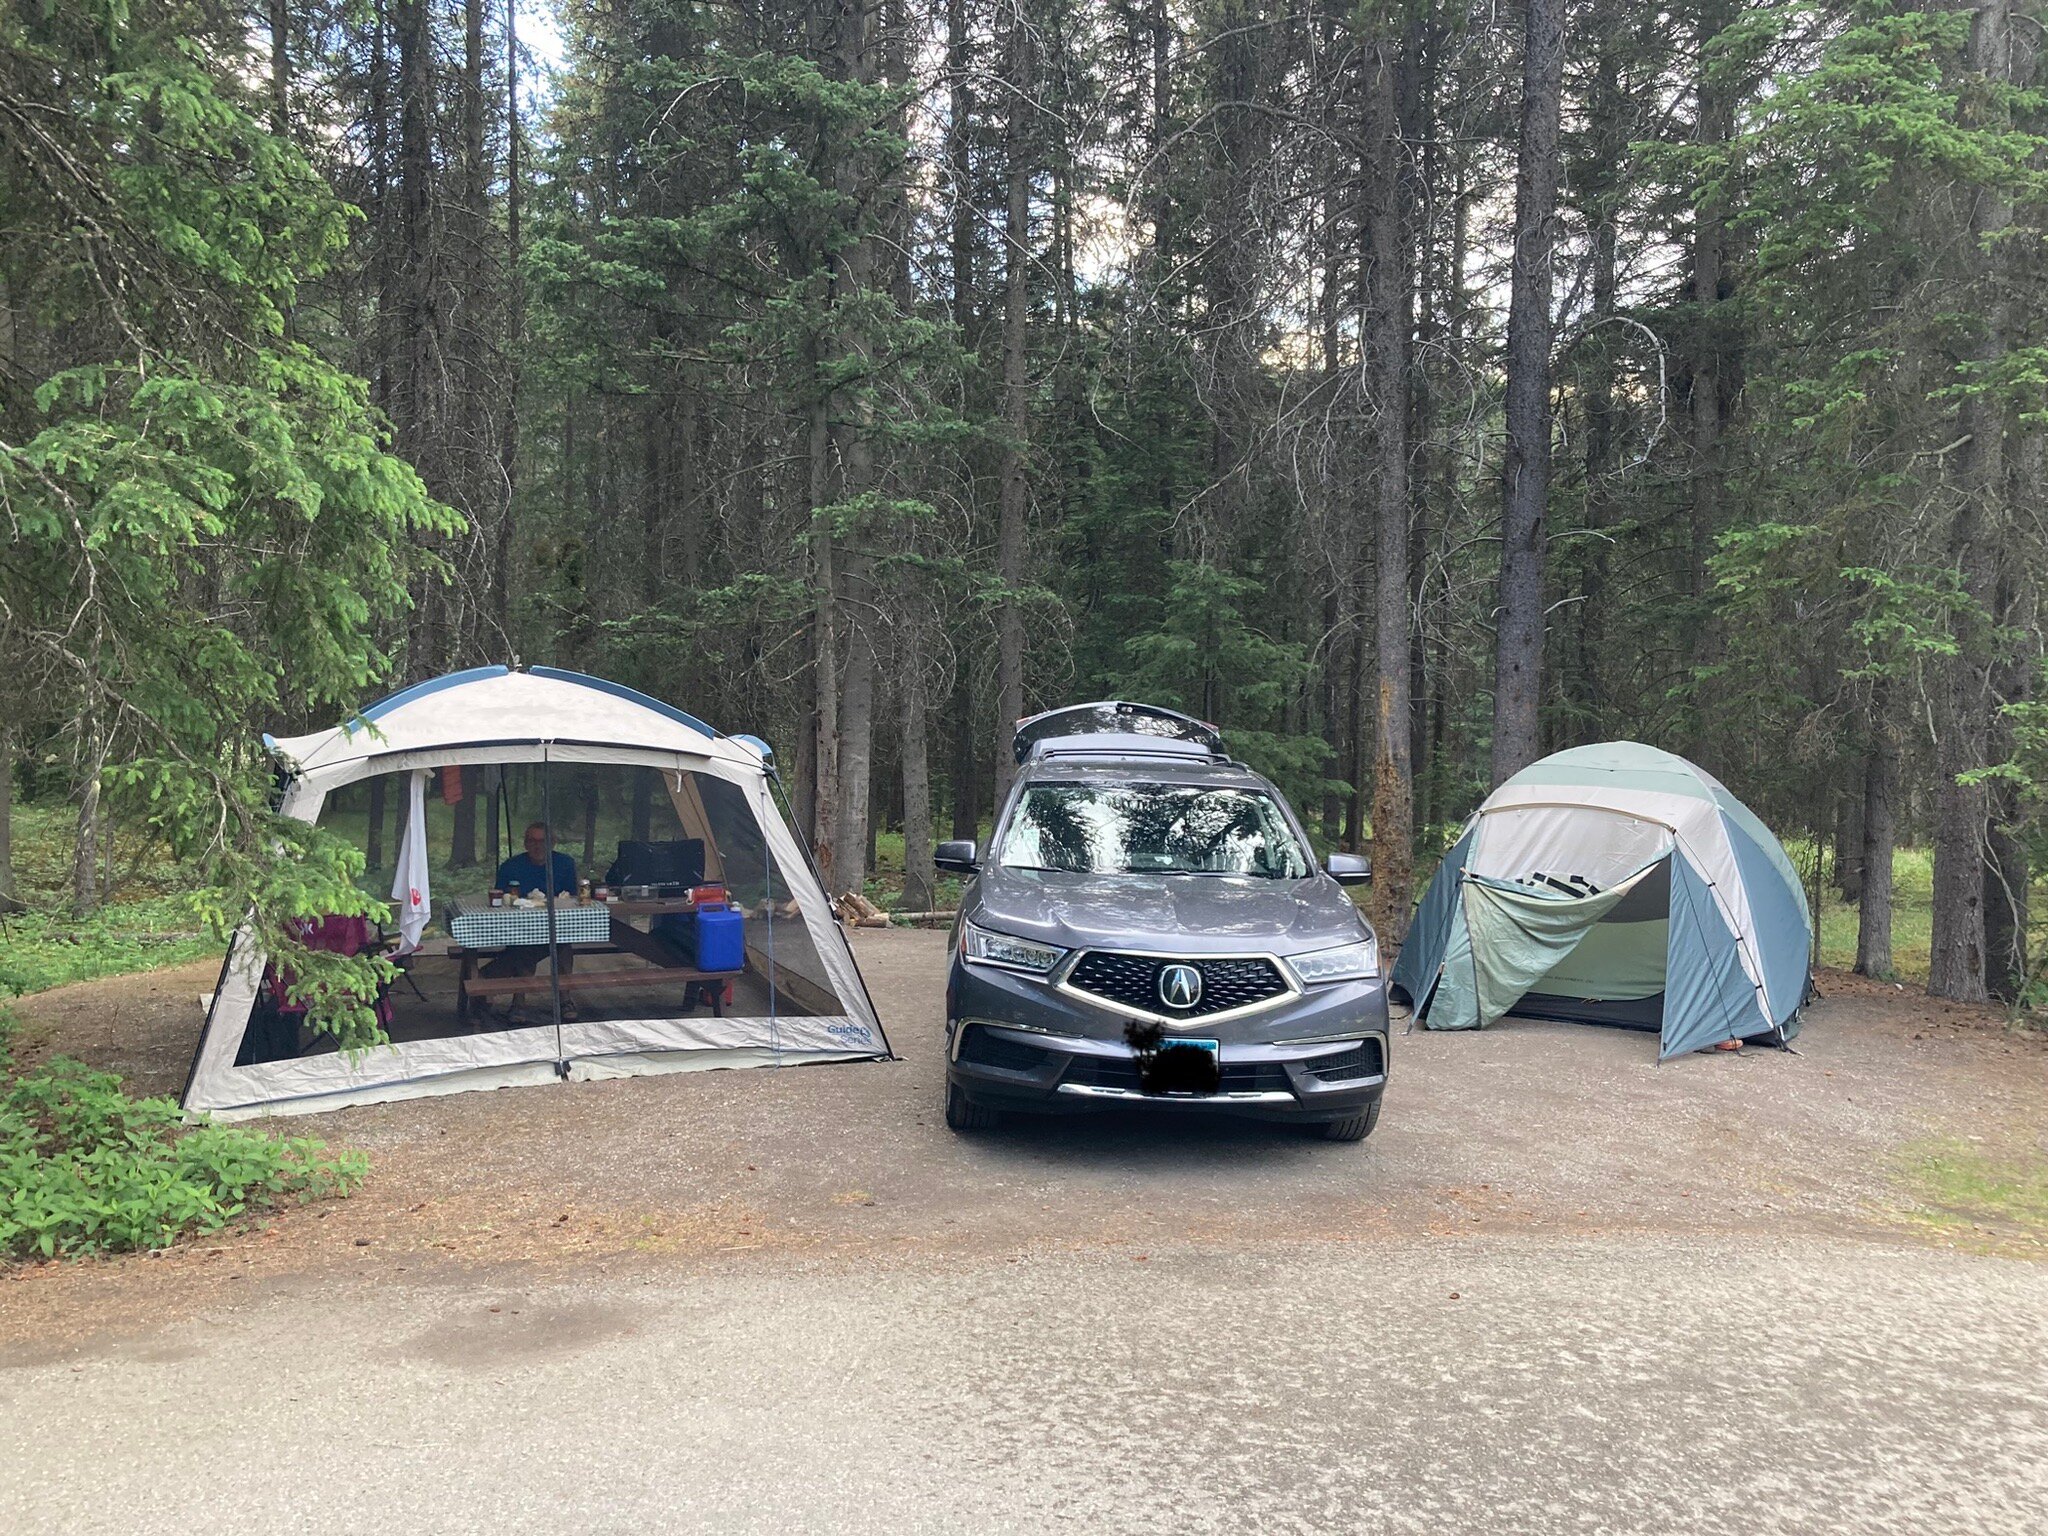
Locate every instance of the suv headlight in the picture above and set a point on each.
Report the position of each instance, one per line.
(986, 948)
(1347, 962)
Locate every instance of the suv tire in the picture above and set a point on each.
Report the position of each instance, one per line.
(963, 1115)
(1352, 1127)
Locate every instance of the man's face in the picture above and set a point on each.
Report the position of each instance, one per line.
(537, 846)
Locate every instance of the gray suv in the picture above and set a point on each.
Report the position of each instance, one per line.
(1150, 926)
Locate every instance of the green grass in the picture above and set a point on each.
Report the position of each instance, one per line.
(39, 950)
(1912, 914)
(148, 921)
(1958, 1185)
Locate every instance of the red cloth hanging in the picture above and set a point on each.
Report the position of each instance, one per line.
(451, 785)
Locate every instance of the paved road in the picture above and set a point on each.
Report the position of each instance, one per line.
(1694, 1298)
(1474, 1384)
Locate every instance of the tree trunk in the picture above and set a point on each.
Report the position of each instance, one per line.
(920, 876)
(85, 853)
(515, 342)
(1385, 337)
(824, 648)
(462, 839)
(856, 734)
(280, 68)
(1956, 960)
(1015, 492)
(1849, 845)
(2006, 866)
(960, 113)
(1880, 811)
(1525, 479)
(1716, 125)
(10, 892)
(373, 840)
(966, 756)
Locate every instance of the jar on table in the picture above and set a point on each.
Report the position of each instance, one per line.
(496, 897)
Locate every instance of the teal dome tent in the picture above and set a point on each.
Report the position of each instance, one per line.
(1614, 884)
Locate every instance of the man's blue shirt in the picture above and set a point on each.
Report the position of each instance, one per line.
(531, 877)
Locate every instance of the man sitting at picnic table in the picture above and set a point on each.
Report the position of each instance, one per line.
(529, 871)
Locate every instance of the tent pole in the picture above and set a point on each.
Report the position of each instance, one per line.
(768, 884)
(554, 950)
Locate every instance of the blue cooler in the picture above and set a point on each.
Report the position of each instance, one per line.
(721, 939)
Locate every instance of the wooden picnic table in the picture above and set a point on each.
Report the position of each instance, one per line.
(591, 927)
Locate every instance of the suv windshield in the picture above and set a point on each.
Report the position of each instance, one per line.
(1152, 829)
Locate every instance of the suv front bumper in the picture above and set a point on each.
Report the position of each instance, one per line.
(1013, 1042)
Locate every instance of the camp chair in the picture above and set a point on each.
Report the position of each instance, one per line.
(332, 934)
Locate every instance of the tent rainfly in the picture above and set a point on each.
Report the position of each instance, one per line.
(597, 756)
(1613, 884)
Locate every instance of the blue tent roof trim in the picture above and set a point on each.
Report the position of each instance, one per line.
(621, 691)
(392, 701)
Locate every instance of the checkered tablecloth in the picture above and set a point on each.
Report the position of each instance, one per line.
(474, 925)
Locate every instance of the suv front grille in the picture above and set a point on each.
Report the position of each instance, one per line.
(1133, 981)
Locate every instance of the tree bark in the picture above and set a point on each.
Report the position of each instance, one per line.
(1525, 479)
(1385, 336)
(1015, 492)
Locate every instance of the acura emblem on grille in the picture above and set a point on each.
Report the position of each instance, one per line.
(1180, 986)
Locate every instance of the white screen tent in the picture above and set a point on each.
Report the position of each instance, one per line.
(799, 1000)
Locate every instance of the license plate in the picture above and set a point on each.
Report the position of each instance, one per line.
(1184, 1066)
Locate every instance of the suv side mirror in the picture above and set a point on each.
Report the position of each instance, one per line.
(1348, 868)
(956, 857)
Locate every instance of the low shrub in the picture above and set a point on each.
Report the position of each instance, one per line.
(84, 1168)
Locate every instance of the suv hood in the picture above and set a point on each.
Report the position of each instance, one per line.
(1172, 914)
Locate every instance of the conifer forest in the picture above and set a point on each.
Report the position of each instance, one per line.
(1410, 388)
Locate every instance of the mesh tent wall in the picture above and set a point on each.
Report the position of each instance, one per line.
(495, 716)
(1614, 883)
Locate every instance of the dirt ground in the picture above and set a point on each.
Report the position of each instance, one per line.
(1528, 1128)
